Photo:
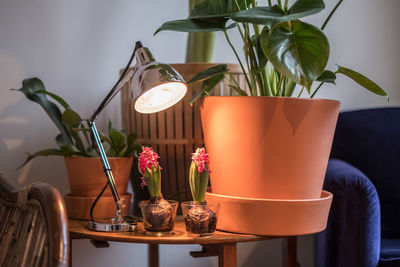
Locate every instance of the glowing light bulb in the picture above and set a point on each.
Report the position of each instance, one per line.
(160, 97)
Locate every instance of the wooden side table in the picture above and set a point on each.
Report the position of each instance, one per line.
(221, 244)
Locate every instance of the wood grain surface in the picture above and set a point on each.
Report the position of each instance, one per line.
(78, 230)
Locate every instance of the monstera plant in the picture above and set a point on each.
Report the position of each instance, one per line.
(266, 145)
(280, 50)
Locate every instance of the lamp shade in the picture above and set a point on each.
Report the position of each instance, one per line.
(155, 86)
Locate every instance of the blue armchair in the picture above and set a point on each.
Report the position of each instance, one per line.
(364, 176)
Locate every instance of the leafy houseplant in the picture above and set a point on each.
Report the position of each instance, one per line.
(73, 139)
(266, 145)
(200, 216)
(158, 213)
(280, 50)
(86, 176)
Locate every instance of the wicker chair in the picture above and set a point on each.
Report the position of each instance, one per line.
(33, 226)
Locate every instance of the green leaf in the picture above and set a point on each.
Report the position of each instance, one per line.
(29, 88)
(46, 152)
(327, 76)
(132, 147)
(55, 97)
(237, 89)
(272, 15)
(69, 150)
(71, 118)
(122, 152)
(211, 9)
(272, 78)
(261, 58)
(110, 152)
(192, 25)
(289, 88)
(60, 140)
(298, 50)
(207, 86)
(207, 16)
(260, 15)
(303, 8)
(209, 73)
(117, 139)
(362, 80)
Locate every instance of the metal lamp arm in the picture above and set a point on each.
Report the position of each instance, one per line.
(125, 77)
(118, 85)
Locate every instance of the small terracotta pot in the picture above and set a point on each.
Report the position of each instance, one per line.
(87, 178)
(268, 147)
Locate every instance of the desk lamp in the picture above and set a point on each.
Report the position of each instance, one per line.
(155, 87)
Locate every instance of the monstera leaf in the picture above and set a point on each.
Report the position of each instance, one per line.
(298, 50)
(272, 15)
(207, 16)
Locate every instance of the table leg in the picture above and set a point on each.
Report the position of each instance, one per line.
(227, 255)
(289, 252)
(153, 255)
(70, 252)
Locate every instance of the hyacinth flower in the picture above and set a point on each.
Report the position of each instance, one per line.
(199, 175)
(151, 171)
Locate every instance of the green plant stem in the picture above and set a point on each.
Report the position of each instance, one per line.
(279, 93)
(279, 3)
(238, 58)
(284, 86)
(286, 6)
(316, 90)
(237, 5)
(301, 91)
(252, 61)
(269, 3)
(331, 14)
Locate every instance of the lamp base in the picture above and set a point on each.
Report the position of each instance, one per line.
(129, 224)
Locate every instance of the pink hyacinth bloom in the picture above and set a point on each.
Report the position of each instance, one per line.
(148, 158)
(200, 158)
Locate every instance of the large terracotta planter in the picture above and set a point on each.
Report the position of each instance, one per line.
(268, 147)
(87, 179)
(268, 155)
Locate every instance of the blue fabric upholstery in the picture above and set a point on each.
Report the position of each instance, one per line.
(367, 151)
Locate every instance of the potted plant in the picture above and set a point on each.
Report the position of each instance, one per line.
(158, 214)
(200, 216)
(268, 142)
(86, 176)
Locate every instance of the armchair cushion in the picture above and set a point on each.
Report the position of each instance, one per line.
(353, 234)
(390, 253)
(370, 140)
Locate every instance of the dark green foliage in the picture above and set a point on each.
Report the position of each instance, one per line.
(73, 139)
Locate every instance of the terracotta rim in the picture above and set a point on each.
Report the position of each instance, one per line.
(296, 99)
(325, 195)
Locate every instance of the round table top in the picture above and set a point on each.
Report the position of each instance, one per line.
(78, 229)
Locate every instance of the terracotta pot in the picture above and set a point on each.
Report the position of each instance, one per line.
(87, 179)
(268, 147)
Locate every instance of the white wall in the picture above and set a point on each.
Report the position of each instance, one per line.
(77, 47)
